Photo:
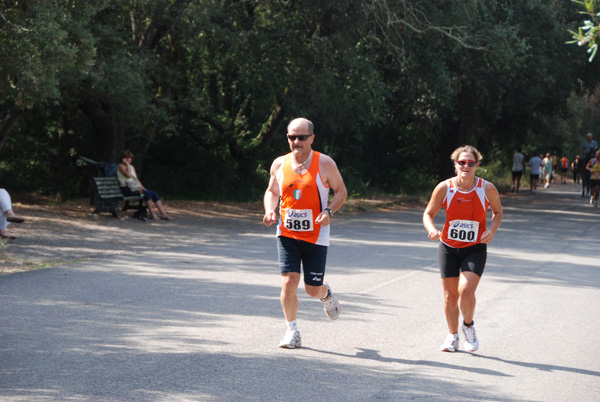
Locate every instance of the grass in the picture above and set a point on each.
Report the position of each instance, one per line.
(34, 266)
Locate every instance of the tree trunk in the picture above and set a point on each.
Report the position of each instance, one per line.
(451, 139)
(272, 127)
(63, 159)
(9, 122)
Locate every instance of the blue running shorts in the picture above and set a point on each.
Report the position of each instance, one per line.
(293, 253)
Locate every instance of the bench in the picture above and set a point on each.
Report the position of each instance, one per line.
(107, 195)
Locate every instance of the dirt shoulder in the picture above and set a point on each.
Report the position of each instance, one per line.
(58, 234)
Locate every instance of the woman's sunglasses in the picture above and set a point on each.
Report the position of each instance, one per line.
(463, 163)
(300, 137)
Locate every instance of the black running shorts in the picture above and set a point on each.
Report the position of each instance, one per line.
(453, 261)
(294, 252)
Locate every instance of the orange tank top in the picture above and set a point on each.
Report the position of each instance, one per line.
(465, 215)
(303, 197)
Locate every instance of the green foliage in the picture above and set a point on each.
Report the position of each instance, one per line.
(589, 33)
(497, 172)
(201, 91)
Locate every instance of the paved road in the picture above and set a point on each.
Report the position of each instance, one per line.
(201, 323)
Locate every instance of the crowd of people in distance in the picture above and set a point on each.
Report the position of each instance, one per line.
(545, 170)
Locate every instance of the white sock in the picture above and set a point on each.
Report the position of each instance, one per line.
(292, 325)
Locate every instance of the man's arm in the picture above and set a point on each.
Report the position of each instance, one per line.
(333, 179)
(271, 198)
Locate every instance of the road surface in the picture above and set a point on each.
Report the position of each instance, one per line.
(202, 322)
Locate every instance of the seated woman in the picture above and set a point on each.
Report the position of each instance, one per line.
(131, 185)
(7, 215)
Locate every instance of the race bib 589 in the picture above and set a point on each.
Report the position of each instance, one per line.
(299, 220)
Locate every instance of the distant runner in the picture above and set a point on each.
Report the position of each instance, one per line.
(593, 167)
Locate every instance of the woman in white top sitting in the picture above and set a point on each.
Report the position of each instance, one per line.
(131, 185)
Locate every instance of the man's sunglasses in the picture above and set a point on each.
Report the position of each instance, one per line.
(463, 163)
(300, 137)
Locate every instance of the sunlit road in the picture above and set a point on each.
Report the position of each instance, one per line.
(202, 323)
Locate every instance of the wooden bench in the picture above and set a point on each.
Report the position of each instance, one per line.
(107, 195)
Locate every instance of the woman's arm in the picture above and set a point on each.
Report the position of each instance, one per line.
(124, 168)
(494, 198)
(434, 205)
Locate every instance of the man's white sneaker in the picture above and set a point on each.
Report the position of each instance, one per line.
(450, 344)
(471, 344)
(291, 340)
(331, 305)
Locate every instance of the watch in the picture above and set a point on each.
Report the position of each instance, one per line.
(330, 211)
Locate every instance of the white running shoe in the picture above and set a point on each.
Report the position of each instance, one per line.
(331, 305)
(450, 344)
(291, 340)
(471, 344)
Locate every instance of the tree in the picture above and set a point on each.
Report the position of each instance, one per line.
(201, 90)
(589, 33)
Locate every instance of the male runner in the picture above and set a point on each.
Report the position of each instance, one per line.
(302, 180)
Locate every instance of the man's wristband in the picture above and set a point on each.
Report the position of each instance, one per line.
(330, 211)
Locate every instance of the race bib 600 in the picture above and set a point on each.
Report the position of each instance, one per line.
(463, 230)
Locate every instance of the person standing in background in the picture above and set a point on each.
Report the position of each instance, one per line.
(517, 170)
(575, 169)
(535, 166)
(589, 145)
(588, 148)
(554, 166)
(547, 169)
(564, 168)
(593, 167)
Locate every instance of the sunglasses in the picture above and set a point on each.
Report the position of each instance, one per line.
(300, 137)
(463, 163)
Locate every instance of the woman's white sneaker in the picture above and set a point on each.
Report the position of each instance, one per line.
(450, 344)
